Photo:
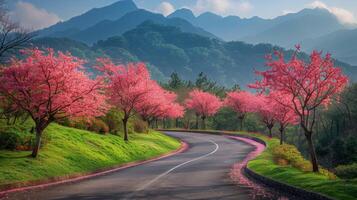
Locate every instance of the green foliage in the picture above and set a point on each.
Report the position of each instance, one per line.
(347, 171)
(17, 136)
(98, 126)
(225, 119)
(140, 126)
(292, 155)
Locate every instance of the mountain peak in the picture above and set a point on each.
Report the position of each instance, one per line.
(183, 13)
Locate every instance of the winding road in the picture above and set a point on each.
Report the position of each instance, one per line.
(201, 172)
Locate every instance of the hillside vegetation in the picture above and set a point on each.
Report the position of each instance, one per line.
(166, 49)
(69, 151)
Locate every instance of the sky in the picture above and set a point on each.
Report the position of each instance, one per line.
(38, 14)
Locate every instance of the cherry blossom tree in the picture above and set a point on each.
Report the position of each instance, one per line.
(203, 103)
(309, 85)
(49, 87)
(265, 107)
(241, 103)
(284, 115)
(127, 87)
(159, 103)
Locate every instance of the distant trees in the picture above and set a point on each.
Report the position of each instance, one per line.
(49, 87)
(307, 85)
(204, 105)
(241, 102)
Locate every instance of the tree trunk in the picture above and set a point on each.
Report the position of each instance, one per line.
(313, 157)
(37, 144)
(125, 122)
(281, 129)
(176, 123)
(270, 133)
(40, 126)
(203, 123)
(241, 119)
(196, 121)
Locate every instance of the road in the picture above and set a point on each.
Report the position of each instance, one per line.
(201, 172)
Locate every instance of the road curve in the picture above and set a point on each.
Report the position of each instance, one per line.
(201, 172)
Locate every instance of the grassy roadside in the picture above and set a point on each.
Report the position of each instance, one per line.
(264, 165)
(72, 151)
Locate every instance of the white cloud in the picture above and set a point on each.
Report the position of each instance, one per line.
(343, 15)
(165, 8)
(285, 12)
(31, 17)
(223, 7)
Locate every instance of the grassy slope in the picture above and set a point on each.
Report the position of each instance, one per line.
(71, 151)
(264, 165)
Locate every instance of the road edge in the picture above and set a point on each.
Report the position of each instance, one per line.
(61, 180)
(299, 192)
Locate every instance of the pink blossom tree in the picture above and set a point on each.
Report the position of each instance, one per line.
(50, 87)
(127, 87)
(241, 103)
(308, 85)
(284, 115)
(265, 108)
(203, 103)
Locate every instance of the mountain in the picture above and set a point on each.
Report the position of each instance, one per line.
(285, 30)
(306, 24)
(129, 21)
(341, 44)
(167, 49)
(90, 18)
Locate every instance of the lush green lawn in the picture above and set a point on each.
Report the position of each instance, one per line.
(70, 151)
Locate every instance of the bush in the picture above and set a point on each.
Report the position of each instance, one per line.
(98, 126)
(347, 171)
(140, 126)
(13, 140)
(291, 155)
(114, 121)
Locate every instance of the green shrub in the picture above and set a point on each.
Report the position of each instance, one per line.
(347, 171)
(98, 126)
(292, 156)
(14, 140)
(140, 126)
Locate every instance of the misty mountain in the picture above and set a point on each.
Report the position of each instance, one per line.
(130, 21)
(167, 49)
(115, 19)
(285, 30)
(90, 18)
(341, 44)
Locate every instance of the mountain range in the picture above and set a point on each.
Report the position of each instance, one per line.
(189, 44)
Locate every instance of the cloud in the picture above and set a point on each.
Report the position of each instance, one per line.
(343, 15)
(31, 17)
(165, 8)
(223, 7)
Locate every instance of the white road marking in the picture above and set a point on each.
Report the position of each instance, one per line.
(143, 187)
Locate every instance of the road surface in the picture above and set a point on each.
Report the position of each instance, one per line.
(201, 172)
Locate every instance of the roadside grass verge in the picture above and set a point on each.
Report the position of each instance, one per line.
(265, 165)
(71, 152)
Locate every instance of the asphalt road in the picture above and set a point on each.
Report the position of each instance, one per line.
(201, 172)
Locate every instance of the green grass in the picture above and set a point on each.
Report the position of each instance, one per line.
(70, 151)
(265, 165)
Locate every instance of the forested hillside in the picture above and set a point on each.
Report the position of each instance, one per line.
(167, 49)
